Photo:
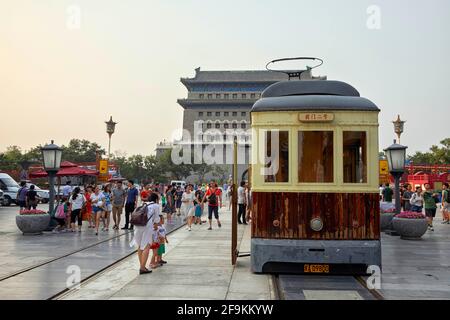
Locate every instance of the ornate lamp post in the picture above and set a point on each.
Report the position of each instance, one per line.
(396, 156)
(110, 127)
(51, 154)
(398, 127)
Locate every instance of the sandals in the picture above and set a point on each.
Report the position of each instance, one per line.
(144, 271)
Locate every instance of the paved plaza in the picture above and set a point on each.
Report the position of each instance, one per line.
(199, 267)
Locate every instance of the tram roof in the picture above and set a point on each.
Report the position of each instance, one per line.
(312, 95)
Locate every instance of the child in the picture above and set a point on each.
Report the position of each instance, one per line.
(198, 207)
(62, 219)
(162, 237)
(155, 246)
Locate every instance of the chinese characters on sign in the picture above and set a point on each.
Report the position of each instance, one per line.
(316, 117)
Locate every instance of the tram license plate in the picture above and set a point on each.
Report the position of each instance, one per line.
(316, 268)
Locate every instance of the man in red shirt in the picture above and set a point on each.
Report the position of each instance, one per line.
(214, 197)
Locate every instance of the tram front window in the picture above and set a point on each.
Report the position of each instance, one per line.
(355, 157)
(277, 156)
(315, 157)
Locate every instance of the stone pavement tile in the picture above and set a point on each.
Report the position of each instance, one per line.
(218, 262)
(155, 298)
(174, 291)
(247, 296)
(245, 284)
(203, 278)
(332, 295)
(294, 296)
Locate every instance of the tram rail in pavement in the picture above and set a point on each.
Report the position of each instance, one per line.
(47, 279)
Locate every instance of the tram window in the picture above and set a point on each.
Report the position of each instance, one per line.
(277, 167)
(315, 156)
(355, 157)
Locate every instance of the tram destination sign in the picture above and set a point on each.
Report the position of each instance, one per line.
(316, 117)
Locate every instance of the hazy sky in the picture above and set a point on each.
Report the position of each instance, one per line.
(58, 81)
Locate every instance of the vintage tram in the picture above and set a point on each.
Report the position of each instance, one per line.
(314, 179)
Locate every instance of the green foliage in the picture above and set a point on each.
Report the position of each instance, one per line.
(436, 154)
(81, 151)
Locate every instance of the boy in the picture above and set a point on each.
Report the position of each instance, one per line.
(162, 237)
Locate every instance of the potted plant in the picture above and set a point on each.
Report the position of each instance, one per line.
(32, 222)
(387, 212)
(410, 225)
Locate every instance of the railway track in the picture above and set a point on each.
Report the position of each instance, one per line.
(56, 267)
(323, 287)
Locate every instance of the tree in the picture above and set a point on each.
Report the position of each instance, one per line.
(82, 151)
(171, 170)
(436, 154)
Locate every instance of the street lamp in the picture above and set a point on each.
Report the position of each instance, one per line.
(110, 127)
(398, 127)
(51, 154)
(396, 156)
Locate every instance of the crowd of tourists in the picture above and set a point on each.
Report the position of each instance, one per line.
(421, 200)
(100, 207)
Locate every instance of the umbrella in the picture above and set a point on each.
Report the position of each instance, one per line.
(114, 179)
(67, 164)
(64, 172)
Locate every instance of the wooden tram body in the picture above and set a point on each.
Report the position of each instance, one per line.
(317, 209)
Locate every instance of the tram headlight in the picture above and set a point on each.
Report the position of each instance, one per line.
(316, 224)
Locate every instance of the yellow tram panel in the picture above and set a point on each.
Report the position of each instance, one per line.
(294, 121)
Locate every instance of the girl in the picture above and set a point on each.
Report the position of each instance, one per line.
(98, 204)
(76, 203)
(198, 207)
(61, 220)
(417, 200)
(88, 213)
(108, 207)
(187, 206)
(170, 206)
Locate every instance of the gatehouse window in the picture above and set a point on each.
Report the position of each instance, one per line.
(209, 114)
(234, 114)
(226, 96)
(276, 164)
(234, 95)
(217, 125)
(200, 114)
(201, 95)
(217, 114)
(355, 156)
(226, 114)
(217, 95)
(209, 96)
(315, 157)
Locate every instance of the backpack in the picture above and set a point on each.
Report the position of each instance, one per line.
(139, 216)
(213, 199)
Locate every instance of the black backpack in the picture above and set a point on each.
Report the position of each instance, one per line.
(213, 199)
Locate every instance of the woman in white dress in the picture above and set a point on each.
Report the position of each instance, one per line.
(187, 205)
(143, 236)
